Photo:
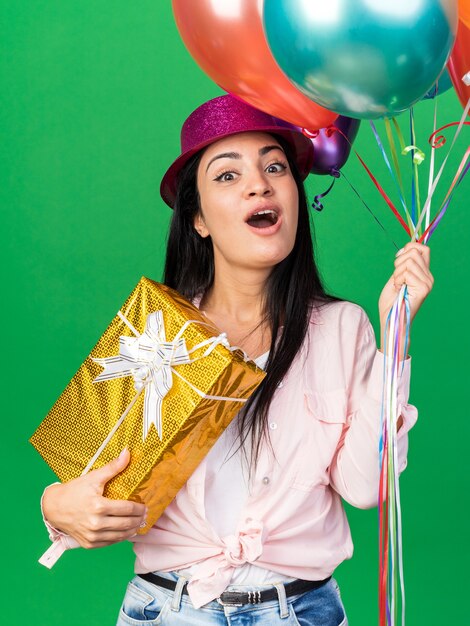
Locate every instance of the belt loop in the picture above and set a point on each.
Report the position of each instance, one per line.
(281, 593)
(176, 600)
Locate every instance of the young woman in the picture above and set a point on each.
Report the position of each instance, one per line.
(257, 531)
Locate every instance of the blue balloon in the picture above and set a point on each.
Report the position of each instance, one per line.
(362, 58)
(441, 86)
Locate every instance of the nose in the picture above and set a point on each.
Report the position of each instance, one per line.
(258, 184)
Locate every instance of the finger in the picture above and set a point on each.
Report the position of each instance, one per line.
(122, 524)
(97, 522)
(422, 249)
(105, 538)
(112, 536)
(426, 253)
(101, 476)
(412, 254)
(413, 281)
(415, 268)
(119, 508)
(409, 276)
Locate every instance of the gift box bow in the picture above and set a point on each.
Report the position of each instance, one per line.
(151, 360)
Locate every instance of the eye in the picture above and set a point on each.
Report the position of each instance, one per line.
(276, 167)
(225, 177)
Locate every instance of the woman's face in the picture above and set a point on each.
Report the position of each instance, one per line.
(249, 200)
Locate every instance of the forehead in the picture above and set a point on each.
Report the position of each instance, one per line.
(240, 143)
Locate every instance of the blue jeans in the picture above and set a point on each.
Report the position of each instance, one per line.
(147, 604)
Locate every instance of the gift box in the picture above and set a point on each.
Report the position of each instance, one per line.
(163, 381)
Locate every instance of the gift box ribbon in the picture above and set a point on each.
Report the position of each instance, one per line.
(151, 359)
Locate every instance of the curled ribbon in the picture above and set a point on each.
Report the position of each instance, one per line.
(317, 204)
(437, 141)
(417, 155)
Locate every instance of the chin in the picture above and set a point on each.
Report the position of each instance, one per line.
(270, 257)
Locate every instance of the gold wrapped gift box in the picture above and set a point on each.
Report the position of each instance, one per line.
(84, 417)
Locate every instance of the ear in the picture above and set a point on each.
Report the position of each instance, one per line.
(200, 226)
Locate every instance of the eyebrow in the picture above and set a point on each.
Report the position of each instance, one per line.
(236, 155)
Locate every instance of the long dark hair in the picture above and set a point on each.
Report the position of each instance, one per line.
(292, 290)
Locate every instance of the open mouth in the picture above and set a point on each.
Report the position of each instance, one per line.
(263, 219)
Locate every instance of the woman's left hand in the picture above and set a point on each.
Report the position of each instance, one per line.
(412, 269)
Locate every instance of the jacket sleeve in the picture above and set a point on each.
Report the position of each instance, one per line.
(60, 541)
(354, 471)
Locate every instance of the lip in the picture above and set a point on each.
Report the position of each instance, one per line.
(269, 230)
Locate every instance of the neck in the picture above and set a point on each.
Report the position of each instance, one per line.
(237, 293)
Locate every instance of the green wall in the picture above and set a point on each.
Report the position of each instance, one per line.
(92, 97)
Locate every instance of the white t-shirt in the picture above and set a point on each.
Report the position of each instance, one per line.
(226, 491)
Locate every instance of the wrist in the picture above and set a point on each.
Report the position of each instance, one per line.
(49, 504)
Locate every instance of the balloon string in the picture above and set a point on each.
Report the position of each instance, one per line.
(316, 204)
(393, 150)
(461, 173)
(391, 141)
(417, 156)
(383, 544)
(441, 169)
(385, 196)
(416, 198)
(455, 183)
(387, 163)
(431, 166)
(391, 578)
(377, 184)
(416, 228)
(441, 140)
(369, 209)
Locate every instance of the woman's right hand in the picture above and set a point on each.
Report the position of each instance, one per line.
(78, 508)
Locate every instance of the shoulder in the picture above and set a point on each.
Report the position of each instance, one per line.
(339, 328)
(340, 336)
(339, 315)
